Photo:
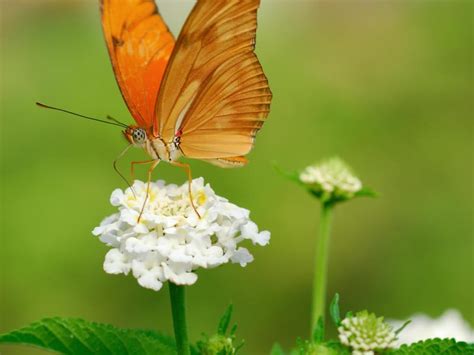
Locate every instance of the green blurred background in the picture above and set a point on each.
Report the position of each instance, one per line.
(386, 85)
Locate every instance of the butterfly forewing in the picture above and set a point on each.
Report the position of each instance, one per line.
(140, 46)
(214, 95)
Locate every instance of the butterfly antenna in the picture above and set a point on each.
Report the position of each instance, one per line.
(115, 123)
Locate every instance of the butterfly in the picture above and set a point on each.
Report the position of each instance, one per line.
(203, 96)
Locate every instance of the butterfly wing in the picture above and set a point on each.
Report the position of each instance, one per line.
(214, 95)
(139, 45)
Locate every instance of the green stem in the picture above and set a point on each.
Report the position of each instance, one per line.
(178, 309)
(321, 265)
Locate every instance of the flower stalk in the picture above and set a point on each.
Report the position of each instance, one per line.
(331, 181)
(178, 309)
(321, 265)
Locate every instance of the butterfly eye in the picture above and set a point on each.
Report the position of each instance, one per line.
(139, 136)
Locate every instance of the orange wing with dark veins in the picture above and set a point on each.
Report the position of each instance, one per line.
(140, 46)
(214, 95)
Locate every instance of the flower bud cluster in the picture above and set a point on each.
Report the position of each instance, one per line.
(332, 179)
(366, 334)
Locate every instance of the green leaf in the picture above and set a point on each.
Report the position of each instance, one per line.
(334, 310)
(435, 346)
(318, 333)
(402, 327)
(225, 320)
(320, 349)
(366, 192)
(77, 336)
(195, 350)
(309, 348)
(277, 350)
(290, 175)
(233, 330)
(240, 346)
(338, 347)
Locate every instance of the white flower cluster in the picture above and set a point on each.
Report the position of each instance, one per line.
(449, 325)
(366, 334)
(332, 177)
(170, 241)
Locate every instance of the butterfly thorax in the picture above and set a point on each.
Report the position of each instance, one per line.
(159, 149)
(156, 147)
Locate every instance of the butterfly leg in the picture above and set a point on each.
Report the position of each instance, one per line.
(187, 168)
(118, 171)
(133, 163)
(150, 171)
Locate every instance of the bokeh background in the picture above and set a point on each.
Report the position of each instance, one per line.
(387, 85)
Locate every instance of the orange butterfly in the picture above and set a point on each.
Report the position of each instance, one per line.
(203, 97)
(212, 97)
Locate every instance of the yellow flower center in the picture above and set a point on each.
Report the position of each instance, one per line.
(201, 197)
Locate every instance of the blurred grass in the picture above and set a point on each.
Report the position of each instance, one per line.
(388, 86)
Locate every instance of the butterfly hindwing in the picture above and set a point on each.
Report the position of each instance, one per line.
(214, 95)
(139, 45)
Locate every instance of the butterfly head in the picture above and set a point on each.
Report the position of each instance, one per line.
(135, 135)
